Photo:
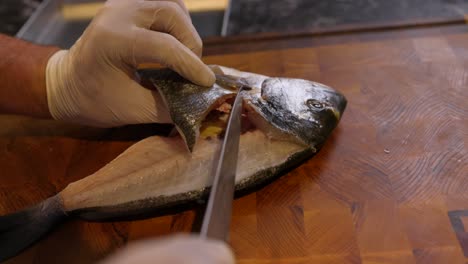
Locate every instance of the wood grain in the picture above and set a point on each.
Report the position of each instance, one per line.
(389, 186)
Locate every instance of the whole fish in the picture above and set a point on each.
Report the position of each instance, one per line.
(285, 122)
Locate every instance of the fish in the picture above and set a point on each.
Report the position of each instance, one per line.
(188, 104)
(285, 122)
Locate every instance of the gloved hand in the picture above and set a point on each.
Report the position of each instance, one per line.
(175, 250)
(94, 83)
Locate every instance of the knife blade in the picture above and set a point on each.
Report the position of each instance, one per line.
(217, 219)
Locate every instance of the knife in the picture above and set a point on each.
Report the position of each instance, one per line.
(217, 219)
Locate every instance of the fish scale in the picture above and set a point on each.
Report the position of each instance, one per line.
(158, 175)
(188, 103)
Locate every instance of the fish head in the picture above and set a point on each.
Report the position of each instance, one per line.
(306, 100)
(298, 109)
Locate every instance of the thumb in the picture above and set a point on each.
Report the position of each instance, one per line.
(157, 47)
(143, 106)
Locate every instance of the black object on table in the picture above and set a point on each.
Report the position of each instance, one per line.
(255, 16)
(14, 13)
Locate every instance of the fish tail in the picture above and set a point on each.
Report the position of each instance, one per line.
(21, 229)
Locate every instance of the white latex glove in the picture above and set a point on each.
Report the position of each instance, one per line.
(180, 249)
(94, 82)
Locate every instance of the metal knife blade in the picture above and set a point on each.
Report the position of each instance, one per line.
(217, 219)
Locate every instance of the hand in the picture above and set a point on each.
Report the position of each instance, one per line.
(94, 82)
(175, 250)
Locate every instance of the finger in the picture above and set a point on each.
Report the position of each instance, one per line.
(202, 251)
(143, 106)
(168, 17)
(180, 3)
(177, 249)
(148, 107)
(216, 69)
(218, 252)
(157, 47)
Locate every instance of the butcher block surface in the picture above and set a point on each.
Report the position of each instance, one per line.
(389, 186)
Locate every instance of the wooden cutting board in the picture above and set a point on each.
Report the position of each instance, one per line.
(390, 185)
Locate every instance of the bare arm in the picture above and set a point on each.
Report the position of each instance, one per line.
(22, 77)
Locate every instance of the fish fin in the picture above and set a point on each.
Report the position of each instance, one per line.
(21, 229)
(216, 69)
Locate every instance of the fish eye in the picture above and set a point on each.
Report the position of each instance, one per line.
(314, 103)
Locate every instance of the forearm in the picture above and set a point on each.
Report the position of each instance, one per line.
(22, 77)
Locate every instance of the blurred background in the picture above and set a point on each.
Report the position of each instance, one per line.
(60, 22)
(14, 13)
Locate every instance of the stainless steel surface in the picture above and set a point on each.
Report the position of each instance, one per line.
(227, 13)
(217, 217)
(48, 26)
(232, 82)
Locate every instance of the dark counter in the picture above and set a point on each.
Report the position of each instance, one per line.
(286, 16)
(14, 13)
